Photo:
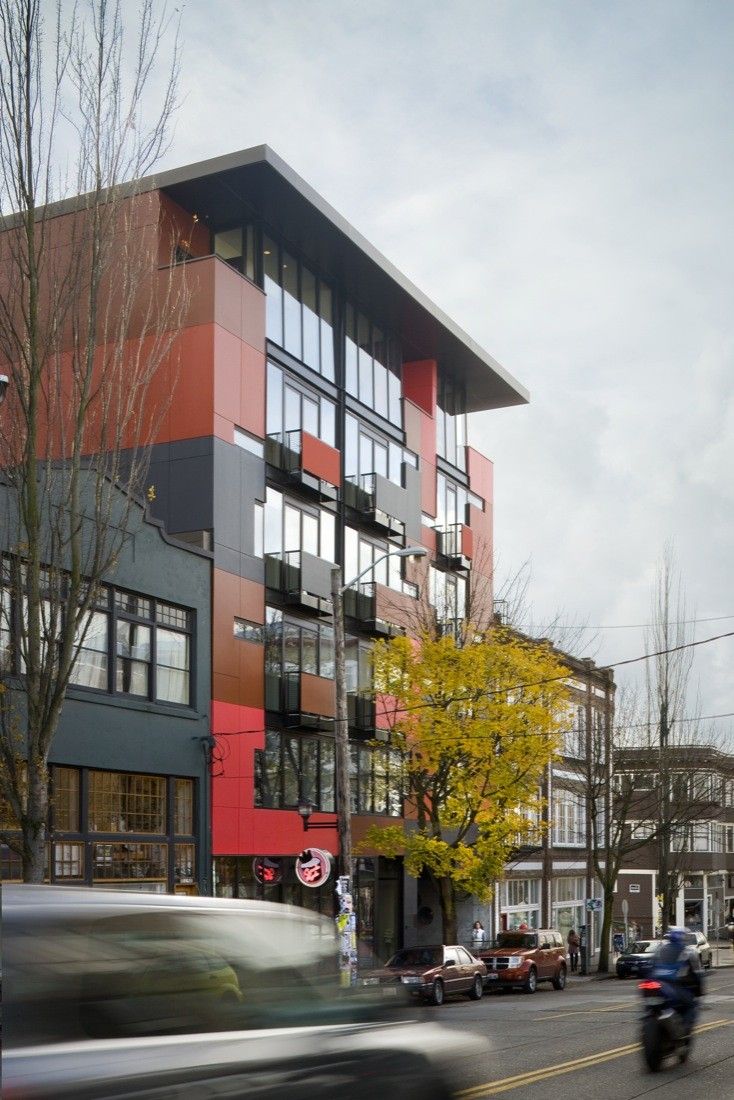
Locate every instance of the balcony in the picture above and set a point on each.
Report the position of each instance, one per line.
(307, 462)
(450, 628)
(454, 546)
(302, 700)
(301, 579)
(360, 603)
(380, 503)
(362, 711)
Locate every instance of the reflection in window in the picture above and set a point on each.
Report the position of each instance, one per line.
(291, 408)
(451, 428)
(294, 767)
(372, 366)
(366, 452)
(65, 800)
(294, 645)
(376, 777)
(299, 312)
(292, 528)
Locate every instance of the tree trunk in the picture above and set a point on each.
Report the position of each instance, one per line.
(448, 909)
(606, 927)
(35, 866)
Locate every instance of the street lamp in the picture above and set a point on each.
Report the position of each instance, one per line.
(305, 809)
(341, 747)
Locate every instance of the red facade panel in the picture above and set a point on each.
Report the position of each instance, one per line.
(420, 384)
(320, 459)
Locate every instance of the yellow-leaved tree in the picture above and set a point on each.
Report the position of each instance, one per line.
(477, 723)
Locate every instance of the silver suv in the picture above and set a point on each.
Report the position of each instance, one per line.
(108, 993)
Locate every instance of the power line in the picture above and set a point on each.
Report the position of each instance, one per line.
(642, 626)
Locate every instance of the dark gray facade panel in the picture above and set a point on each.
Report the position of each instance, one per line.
(189, 502)
(412, 478)
(241, 565)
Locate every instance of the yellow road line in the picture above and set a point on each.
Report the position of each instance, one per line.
(586, 1011)
(532, 1077)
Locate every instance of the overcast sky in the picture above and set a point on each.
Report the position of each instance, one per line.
(559, 178)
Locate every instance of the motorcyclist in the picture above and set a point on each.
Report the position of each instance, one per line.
(677, 966)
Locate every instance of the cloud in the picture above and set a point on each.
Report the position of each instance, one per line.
(558, 177)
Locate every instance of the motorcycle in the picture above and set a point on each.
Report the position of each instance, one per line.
(664, 1031)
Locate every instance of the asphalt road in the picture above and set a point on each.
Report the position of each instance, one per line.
(583, 1042)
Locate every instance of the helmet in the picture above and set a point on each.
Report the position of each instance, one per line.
(676, 936)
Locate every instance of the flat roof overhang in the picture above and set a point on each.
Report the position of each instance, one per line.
(229, 189)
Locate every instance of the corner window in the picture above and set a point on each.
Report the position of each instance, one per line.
(451, 427)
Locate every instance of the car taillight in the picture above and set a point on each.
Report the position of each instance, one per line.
(649, 987)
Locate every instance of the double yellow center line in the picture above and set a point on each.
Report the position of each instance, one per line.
(493, 1088)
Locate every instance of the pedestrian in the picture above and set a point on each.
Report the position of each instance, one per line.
(478, 935)
(573, 949)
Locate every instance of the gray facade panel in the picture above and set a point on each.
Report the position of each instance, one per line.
(190, 488)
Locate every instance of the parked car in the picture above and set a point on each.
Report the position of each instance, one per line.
(519, 960)
(431, 973)
(108, 993)
(702, 945)
(637, 959)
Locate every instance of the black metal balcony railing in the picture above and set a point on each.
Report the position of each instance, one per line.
(302, 579)
(449, 545)
(283, 695)
(283, 450)
(450, 628)
(379, 501)
(360, 603)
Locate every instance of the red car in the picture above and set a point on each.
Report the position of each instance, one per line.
(432, 973)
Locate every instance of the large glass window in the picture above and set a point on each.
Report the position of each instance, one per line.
(569, 818)
(451, 429)
(173, 657)
(292, 527)
(294, 767)
(236, 247)
(362, 552)
(295, 645)
(122, 802)
(376, 776)
(372, 366)
(366, 452)
(447, 593)
(452, 500)
(299, 312)
(65, 799)
(292, 408)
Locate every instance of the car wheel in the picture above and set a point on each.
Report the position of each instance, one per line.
(477, 988)
(559, 982)
(437, 992)
(531, 983)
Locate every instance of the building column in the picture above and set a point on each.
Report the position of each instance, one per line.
(680, 908)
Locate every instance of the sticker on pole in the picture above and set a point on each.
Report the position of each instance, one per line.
(313, 867)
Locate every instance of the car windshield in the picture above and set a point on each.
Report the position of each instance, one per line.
(416, 956)
(639, 947)
(516, 939)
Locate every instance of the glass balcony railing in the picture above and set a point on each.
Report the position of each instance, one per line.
(285, 451)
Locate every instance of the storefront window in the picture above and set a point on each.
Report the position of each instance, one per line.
(121, 802)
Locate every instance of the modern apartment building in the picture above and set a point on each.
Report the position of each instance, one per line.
(319, 416)
(701, 840)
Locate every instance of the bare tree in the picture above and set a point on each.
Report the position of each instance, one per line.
(668, 676)
(87, 322)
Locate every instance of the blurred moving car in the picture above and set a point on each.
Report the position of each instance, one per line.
(519, 960)
(145, 995)
(432, 973)
(702, 945)
(637, 959)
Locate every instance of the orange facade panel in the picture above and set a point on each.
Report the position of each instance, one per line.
(319, 459)
(317, 695)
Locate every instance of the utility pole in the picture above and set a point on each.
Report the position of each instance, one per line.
(664, 857)
(341, 728)
(588, 750)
